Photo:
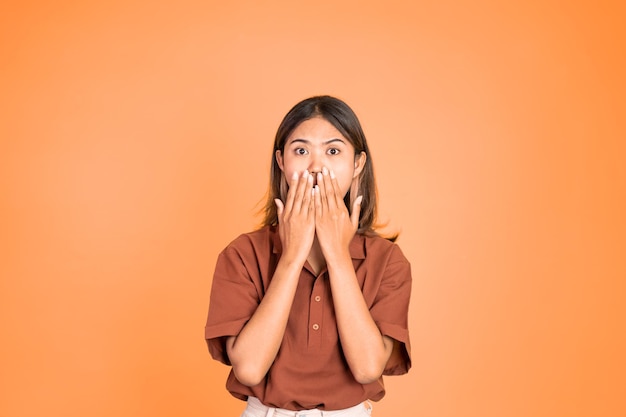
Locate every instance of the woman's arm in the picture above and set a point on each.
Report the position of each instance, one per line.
(254, 349)
(366, 349)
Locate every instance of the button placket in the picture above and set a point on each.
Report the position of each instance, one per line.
(316, 312)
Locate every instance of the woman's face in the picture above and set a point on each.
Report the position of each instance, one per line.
(315, 144)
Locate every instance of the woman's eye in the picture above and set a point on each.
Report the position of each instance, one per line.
(333, 151)
(301, 151)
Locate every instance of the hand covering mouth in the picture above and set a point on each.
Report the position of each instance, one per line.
(314, 175)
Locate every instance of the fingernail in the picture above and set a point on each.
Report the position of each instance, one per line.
(325, 171)
(332, 174)
(295, 175)
(305, 173)
(359, 199)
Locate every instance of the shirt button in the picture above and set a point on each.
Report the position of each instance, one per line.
(316, 326)
(318, 298)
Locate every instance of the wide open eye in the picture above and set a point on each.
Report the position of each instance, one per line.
(334, 151)
(301, 151)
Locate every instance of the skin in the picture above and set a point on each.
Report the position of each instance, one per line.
(315, 228)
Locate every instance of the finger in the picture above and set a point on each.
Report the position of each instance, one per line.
(329, 190)
(291, 192)
(314, 191)
(321, 189)
(301, 192)
(280, 208)
(307, 194)
(356, 212)
(317, 199)
(338, 198)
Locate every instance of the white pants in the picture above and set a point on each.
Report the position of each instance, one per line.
(256, 408)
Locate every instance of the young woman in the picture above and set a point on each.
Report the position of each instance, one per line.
(311, 309)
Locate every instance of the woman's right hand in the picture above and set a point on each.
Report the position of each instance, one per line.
(296, 218)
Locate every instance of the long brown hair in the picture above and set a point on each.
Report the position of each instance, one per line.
(341, 116)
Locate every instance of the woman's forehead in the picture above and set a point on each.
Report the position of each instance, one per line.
(316, 130)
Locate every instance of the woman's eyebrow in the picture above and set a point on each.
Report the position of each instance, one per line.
(334, 140)
(299, 141)
(305, 141)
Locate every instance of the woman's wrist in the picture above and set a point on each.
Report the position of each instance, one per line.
(338, 259)
(290, 260)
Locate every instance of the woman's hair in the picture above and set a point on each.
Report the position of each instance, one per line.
(341, 116)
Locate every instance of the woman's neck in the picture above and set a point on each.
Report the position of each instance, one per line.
(316, 257)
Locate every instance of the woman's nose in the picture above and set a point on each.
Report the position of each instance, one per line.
(315, 164)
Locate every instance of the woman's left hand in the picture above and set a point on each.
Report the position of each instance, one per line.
(334, 226)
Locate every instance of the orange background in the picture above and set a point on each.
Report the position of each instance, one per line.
(135, 144)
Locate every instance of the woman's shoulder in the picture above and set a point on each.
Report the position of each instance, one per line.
(380, 246)
(265, 237)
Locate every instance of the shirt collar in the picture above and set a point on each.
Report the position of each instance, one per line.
(357, 245)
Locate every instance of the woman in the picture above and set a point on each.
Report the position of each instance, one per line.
(311, 309)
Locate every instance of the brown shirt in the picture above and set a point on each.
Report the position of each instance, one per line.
(310, 370)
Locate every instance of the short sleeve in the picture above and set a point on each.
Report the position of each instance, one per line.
(391, 308)
(234, 298)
